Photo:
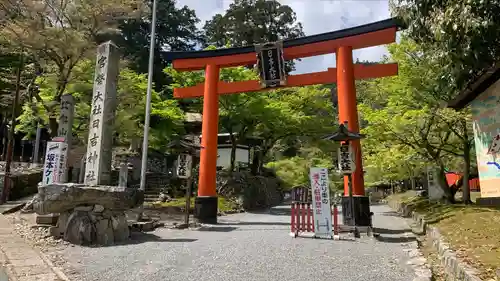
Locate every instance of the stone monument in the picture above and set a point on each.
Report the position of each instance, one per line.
(93, 212)
(102, 114)
(65, 130)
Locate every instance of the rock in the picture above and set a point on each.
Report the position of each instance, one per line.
(79, 229)
(58, 198)
(121, 231)
(104, 233)
(98, 208)
(163, 197)
(144, 225)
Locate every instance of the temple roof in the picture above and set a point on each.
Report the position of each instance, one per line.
(353, 31)
(476, 87)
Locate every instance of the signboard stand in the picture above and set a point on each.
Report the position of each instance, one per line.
(347, 167)
(184, 171)
(322, 212)
(54, 162)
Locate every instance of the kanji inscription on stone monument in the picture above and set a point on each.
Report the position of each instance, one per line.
(65, 131)
(102, 113)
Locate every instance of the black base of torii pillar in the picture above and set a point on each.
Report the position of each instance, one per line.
(362, 214)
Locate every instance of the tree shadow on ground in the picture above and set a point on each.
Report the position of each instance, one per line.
(389, 214)
(395, 239)
(217, 228)
(143, 237)
(390, 231)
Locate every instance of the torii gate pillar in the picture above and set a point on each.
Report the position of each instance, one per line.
(348, 111)
(206, 201)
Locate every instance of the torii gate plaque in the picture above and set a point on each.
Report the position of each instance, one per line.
(341, 42)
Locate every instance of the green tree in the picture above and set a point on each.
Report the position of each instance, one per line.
(129, 120)
(175, 30)
(59, 34)
(404, 111)
(248, 22)
(463, 36)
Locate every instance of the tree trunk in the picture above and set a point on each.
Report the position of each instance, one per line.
(255, 161)
(448, 194)
(465, 185)
(53, 125)
(233, 152)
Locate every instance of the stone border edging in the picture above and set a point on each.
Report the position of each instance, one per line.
(5, 257)
(454, 269)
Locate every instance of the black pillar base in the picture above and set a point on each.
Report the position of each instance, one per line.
(205, 209)
(361, 210)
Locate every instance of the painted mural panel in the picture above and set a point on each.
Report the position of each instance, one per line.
(486, 124)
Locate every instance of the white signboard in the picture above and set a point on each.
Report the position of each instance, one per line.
(54, 161)
(322, 212)
(184, 163)
(345, 157)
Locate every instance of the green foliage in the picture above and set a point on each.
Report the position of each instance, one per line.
(462, 35)
(405, 126)
(131, 100)
(175, 29)
(247, 22)
(295, 171)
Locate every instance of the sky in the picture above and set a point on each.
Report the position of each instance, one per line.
(316, 16)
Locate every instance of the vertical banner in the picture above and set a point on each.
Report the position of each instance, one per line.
(54, 161)
(322, 212)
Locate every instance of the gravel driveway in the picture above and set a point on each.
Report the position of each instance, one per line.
(250, 247)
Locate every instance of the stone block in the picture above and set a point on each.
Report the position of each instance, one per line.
(104, 232)
(49, 219)
(58, 198)
(98, 208)
(121, 231)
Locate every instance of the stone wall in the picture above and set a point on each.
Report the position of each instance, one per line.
(25, 178)
(453, 267)
(255, 191)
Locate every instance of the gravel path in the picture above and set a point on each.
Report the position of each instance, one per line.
(250, 247)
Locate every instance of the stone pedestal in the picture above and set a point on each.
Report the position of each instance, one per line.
(205, 209)
(88, 215)
(89, 225)
(361, 210)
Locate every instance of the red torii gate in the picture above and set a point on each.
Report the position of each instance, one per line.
(341, 42)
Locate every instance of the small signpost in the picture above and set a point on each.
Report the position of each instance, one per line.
(271, 64)
(184, 168)
(184, 165)
(345, 156)
(54, 162)
(347, 167)
(322, 212)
